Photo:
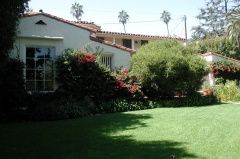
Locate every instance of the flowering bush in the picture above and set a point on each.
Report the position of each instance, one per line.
(226, 70)
(130, 84)
(79, 75)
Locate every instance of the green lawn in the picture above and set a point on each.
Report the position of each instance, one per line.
(210, 132)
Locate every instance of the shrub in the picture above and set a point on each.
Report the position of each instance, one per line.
(127, 86)
(227, 91)
(79, 75)
(167, 67)
(123, 105)
(226, 70)
(190, 101)
(220, 45)
(55, 106)
(13, 93)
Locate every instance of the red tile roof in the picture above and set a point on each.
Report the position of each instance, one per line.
(112, 44)
(219, 55)
(80, 25)
(140, 35)
(83, 26)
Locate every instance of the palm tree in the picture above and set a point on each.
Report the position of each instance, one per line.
(123, 18)
(76, 11)
(233, 26)
(166, 17)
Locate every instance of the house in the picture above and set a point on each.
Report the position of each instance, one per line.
(133, 41)
(42, 37)
(214, 57)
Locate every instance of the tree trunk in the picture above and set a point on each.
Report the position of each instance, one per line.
(124, 28)
(168, 30)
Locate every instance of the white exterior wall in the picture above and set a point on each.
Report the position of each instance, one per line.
(61, 36)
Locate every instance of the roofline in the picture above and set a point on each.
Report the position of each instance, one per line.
(212, 53)
(140, 35)
(79, 25)
(112, 44)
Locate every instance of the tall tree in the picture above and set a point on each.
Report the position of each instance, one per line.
(10, 12)
(77, 11)
(233, 26)
(123, 18)
(166, 17)
(28, 10)
(213, 18)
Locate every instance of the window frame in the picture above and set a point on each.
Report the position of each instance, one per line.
(107, 55)
(44, 70)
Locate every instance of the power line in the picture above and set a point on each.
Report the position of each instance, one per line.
(138, 21)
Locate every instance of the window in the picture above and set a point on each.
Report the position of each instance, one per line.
(106, 60)
(127, 43)
(143, 42)
(102, 38)
(39, 69)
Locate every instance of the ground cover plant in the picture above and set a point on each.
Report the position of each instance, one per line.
(196, 132)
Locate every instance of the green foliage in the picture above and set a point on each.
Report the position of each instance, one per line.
(124, 105)
(13, 94)
(79, 75)
(190, 101)
(167, 67)
(226, 70)
(127, 85)
(227, 92)
(52, 106)
(221, 45)
(10, 12)
(212, 19)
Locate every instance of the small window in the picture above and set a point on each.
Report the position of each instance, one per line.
(102, 38)
(39, 68)
(106, 60)
(143, 42)
(40, 22)
(127, 43)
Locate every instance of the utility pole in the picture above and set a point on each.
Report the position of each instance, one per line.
(185, 26)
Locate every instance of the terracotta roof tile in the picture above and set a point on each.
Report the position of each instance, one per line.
(112, 44)
(60, 19)
(212, 53)
(140, 35)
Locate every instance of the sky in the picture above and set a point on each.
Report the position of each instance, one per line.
(144, 15)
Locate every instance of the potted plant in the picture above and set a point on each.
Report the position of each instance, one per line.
(206, 88)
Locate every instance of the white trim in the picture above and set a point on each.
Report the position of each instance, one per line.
(41, 37)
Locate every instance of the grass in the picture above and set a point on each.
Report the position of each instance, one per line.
(211, 132)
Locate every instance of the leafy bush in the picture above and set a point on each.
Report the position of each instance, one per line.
(227, 92)
(225, 69)
(167, 67)
(128, 86)
(52, 106)
(13, 93)
(123, 105)
(79, 75)
(190, 101)
(220, 45)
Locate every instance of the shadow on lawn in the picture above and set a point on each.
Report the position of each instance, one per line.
(87, 138)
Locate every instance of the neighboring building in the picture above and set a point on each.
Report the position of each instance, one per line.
(133, 41)
(213, 57)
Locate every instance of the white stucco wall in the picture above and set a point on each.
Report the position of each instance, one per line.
(61, 35)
